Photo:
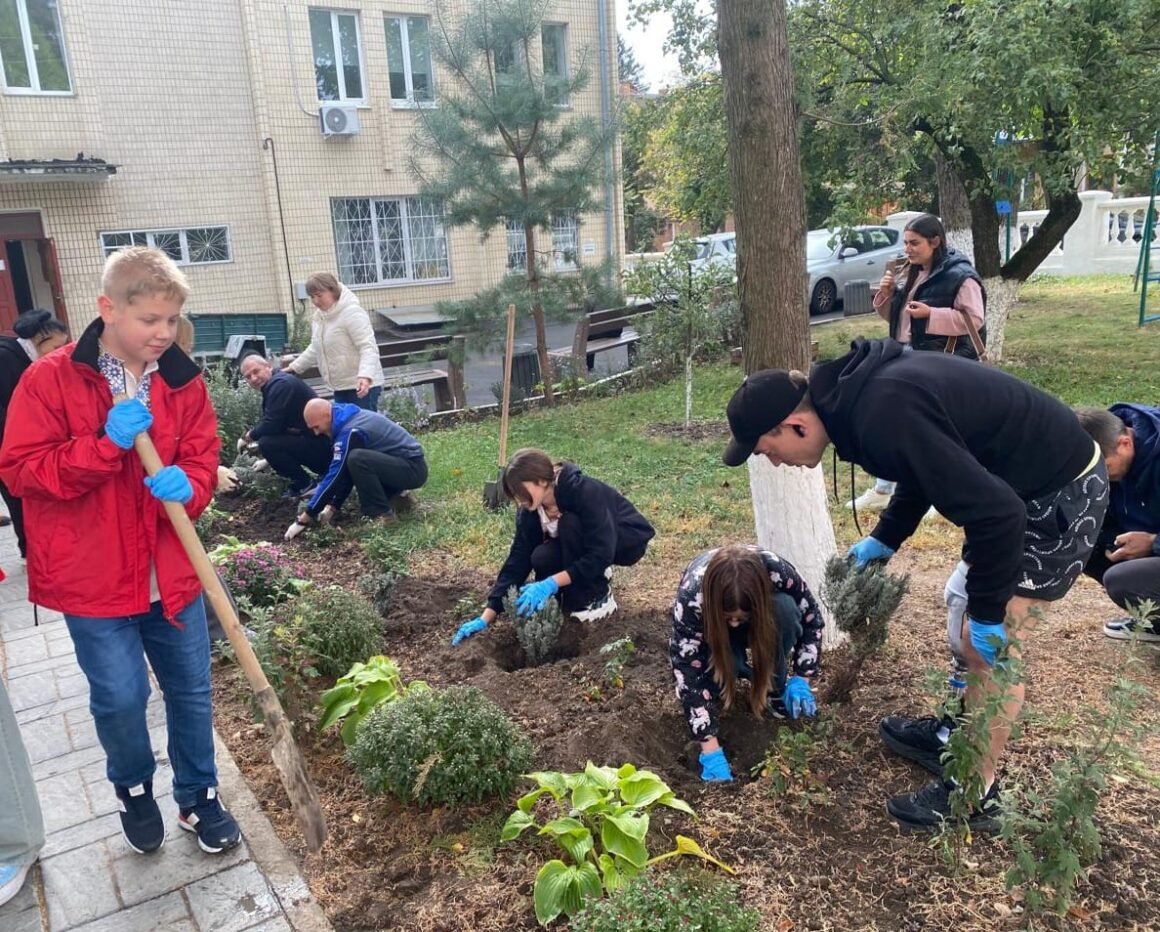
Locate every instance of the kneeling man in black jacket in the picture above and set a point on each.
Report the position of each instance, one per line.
(282, 436)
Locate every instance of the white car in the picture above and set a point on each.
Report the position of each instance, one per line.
(833, 261)
(715, 249)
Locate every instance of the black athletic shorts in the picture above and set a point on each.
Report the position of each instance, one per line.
(1062, 528)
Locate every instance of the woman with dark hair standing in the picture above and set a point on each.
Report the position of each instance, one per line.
(38, 333)
(939, 307)
(571, 530)
(742, 614)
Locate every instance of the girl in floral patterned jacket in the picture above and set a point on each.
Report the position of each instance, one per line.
(742, 613)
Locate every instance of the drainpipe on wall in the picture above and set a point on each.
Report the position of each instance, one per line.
(605, 126)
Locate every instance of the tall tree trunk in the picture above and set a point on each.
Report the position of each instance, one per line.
(765, 172)
(953, 206)
(538, 315)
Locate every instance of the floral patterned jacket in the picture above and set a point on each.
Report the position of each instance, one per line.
(689, 653)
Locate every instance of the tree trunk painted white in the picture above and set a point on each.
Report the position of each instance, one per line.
(1002, 296)
(963, 241)
(793, 521)
(688, 390)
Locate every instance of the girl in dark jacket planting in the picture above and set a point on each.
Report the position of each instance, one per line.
(38, 333)
(571, 530)
(742, 613)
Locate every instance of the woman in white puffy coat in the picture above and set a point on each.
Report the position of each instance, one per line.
(342, 344)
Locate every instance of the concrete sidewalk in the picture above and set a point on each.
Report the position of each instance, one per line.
(88, 879)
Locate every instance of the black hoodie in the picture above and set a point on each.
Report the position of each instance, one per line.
(971, 440)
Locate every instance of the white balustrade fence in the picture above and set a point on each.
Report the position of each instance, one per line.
(1105, 238)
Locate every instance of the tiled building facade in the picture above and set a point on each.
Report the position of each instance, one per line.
(167, 121)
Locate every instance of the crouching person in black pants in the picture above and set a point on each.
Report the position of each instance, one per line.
(371, 453)
(570, 531)
(283, 438)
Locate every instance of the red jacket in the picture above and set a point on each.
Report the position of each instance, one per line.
(93, 526)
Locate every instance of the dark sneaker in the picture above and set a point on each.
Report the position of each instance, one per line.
(1124, 629)
(775, 708)
(917, 739)
(403, 502)
(215, 827)
(141, 822)
(927, 809)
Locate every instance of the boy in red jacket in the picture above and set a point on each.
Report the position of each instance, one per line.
(102, 551)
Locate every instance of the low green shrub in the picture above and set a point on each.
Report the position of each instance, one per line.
(440, 748)
(334, 629)
(672, 901)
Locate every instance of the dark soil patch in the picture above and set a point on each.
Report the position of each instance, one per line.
(834, 863)
(697, 430)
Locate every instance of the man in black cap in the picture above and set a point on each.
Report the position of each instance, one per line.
(1003, 460)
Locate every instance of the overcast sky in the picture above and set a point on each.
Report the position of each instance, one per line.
(660, 70)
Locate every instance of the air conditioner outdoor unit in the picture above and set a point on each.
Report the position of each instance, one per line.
(338, 121)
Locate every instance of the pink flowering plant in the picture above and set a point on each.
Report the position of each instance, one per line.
(262, 575)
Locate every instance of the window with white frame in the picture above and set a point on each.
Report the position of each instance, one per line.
(554, 40)
(337, 51)
(187, 246)
(32, 47)
(409, 66)
(385, 241)
(565, 240)
(517, 247)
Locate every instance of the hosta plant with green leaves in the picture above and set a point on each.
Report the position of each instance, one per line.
(363, 688)
(600, 819)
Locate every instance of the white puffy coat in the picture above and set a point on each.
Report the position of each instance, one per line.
(342, 345)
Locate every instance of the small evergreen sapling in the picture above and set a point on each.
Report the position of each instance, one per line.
(539, 632)
(861, 602)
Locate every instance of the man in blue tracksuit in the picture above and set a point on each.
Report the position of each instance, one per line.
(371, 453)
(1126, 559)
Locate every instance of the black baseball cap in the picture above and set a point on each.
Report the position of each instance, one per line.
(761, 402)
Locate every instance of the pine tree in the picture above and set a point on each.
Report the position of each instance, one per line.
(500, 149)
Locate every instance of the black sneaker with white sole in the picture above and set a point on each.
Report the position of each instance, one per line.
(141, 821)
(927, 809)
(216, 829)
(917, 739)
(1127, 628)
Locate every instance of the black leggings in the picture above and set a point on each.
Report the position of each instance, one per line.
(558, 553)
(16, 510)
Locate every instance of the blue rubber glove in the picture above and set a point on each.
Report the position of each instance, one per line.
(983, 637)
(125, 420)
(715, 768)
(799, 698)
(534, 596)
(869, 550)
(467, 629)
(170, 485)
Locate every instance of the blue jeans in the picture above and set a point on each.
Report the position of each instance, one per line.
(789, 623)
(348, 396)
(112, 652)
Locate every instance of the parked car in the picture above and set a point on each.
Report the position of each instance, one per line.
(833, 261)
(715, 249)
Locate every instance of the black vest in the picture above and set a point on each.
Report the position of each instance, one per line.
(939, 290)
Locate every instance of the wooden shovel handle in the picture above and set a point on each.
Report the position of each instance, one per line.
(206, 573)
(507, 384)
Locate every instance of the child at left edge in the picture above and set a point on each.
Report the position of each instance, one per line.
(105, 554)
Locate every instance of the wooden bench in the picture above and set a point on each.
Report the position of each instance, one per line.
(447, 382)
(597, 331)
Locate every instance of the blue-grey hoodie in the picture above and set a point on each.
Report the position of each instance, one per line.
(352, 428)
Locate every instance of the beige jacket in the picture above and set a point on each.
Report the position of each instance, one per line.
(342, 345)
